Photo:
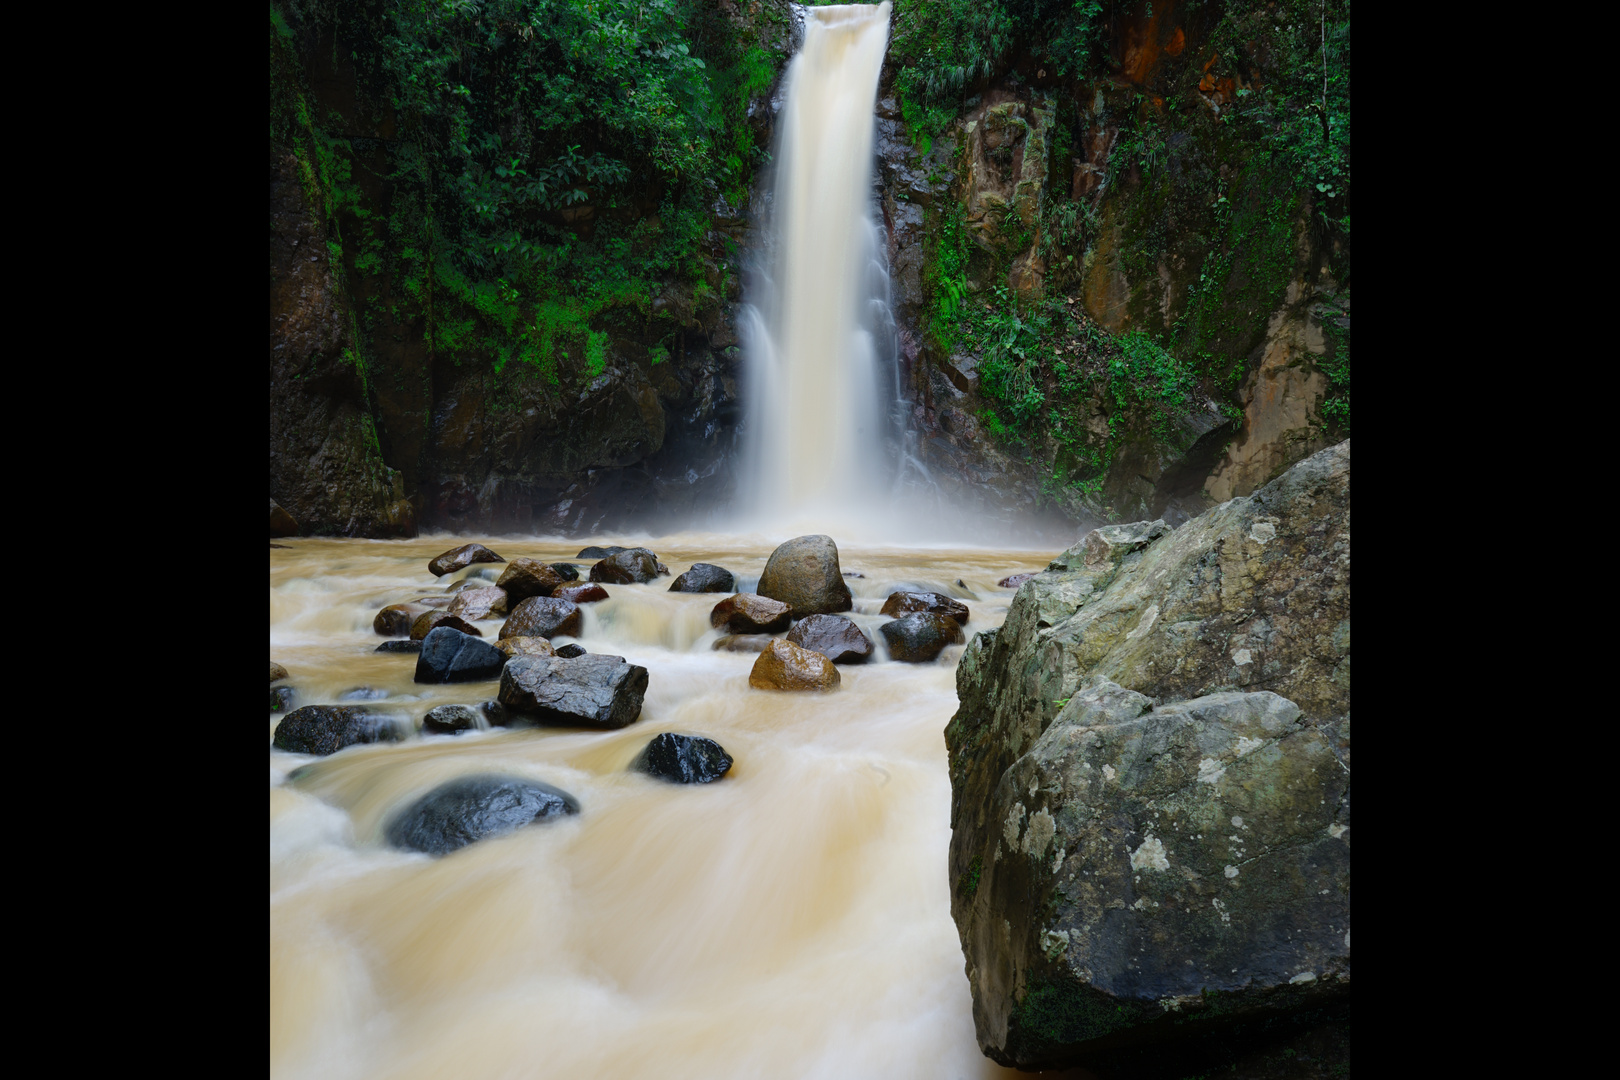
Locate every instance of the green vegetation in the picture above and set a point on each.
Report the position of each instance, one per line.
(520, 174)
(968, 884)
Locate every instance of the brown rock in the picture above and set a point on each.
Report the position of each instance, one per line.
(426, 622)
(395, 620)
(277, 671)
(630, 566)
(785, 666)
(525, 646)
(543, 616)
(744, 643)
(920, 636)
(1014, 581)
(481, 603)
(528, 577)
(281, 522)
(804, 574)
(904, 603)
(460, 558)
(750, 613)
(833, 636)
(588, 593)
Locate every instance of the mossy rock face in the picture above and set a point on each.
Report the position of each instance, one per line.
(1151, 785)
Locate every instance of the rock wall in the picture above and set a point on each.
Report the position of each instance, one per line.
(1150, 775)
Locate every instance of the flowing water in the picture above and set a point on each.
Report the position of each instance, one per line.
(790, 920)
(817, 330)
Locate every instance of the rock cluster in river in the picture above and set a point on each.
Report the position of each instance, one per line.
(469, 809)
(1150, 774)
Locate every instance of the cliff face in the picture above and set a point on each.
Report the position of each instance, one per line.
(1115, 297)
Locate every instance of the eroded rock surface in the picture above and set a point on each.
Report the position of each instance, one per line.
(1150, 780)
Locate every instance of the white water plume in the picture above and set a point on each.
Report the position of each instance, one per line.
(818, 333)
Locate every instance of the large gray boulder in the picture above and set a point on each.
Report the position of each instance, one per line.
(1150, 781)
(467, 810)
(582, 691)
(804, 574)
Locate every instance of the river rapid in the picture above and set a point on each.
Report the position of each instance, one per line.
(790, 920)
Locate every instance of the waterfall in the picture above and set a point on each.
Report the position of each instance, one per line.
(818, 335)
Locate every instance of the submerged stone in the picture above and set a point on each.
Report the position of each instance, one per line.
(920, 637)
(594, 552)
(904, 603)
(684, 759)
(473, 808)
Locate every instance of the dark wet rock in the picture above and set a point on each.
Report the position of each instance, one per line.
(363, 693)
(395, 620)
(743, 643)
(588, 593)
(854, 574)
(804, 574)
(407, 646)
(460, 558)
(566, 571)
(431, 620)
(527, 577)
(525, 646)
(479, 603)
(594, 552)
(704, 577)
(833, 636)
(281, 522)
(473, 808)
(904, 603)
(921, 636)
(568, 652)
(626, 567)
(584, 691)
(451, 656)
(684, 759)
(750, 613)
(450, 720)
(783, 665)
(497, 714)
(282, 698)
(1014, 581)
(326, 729)
(543, 616)
(277, 671)
(663, 571)
(284, 547)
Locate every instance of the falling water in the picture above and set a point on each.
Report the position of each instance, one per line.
(819, 335)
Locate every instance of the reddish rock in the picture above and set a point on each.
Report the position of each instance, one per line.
(460, 558)
(426, 622)
(750, 613)
(543, 616)
(588, 593)
(904, 603)
(785, 666)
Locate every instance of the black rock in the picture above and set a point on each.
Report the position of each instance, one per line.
(921, 636)
(363, 693)
(585, 691)
(451, 656)
(282, 698)
(833, 636)
(568, 652)
(905, 602)
(566, 571)
(626, 566)
(463, 811)
(497, 714)
(399, 646)
(450, 720)
(594, 552)
(326, 729)
(684, 759)
(705, 577)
